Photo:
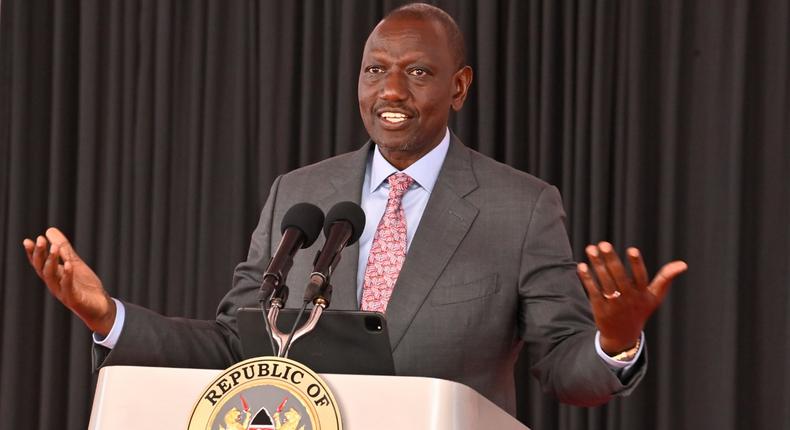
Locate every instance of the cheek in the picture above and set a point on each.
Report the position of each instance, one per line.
(435, 113)
(366, 95)
(363, 94)
(434, 103)
(364, 108)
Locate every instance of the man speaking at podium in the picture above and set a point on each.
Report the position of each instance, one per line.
(477, 257)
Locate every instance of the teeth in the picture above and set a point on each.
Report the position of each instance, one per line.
(394, 117)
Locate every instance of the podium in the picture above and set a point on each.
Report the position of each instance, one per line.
(163, 398)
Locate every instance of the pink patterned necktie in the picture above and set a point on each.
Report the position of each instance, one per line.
(388, 250)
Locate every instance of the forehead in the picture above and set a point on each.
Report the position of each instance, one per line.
(402, 38)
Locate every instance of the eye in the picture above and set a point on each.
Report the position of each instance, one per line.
(418, 72)
(374, 70)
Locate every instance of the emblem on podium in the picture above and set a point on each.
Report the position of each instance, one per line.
(266, 393)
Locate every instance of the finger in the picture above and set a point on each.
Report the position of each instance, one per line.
(68, 276)
(604, 279)
(637, 267)
(50, 272)
(615, 266)
(66, 250)
(587, 280)
(29, 246)
(39, 254)
(660, 284)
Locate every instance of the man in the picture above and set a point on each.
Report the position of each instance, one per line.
(468, 257)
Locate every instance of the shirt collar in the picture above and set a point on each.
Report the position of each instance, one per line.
(424, 171)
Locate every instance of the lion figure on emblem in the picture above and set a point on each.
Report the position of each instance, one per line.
(291, 422)
(234, 421)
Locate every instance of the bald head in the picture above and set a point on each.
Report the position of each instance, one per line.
(422, 11)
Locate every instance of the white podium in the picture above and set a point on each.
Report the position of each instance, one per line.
(162, 398)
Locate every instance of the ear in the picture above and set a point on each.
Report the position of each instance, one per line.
(461, 82)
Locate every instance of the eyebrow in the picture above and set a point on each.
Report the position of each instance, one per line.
(380, 55)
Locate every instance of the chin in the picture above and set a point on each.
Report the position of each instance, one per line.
(394, 143)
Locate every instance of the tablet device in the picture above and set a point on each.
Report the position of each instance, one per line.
(348, 342)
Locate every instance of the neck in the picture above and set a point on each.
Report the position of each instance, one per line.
(403, 157)
(401, 160)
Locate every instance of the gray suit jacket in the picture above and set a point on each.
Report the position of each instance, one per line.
(489, 268)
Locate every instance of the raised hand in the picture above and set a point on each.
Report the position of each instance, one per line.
(621, 304)
(70, 280)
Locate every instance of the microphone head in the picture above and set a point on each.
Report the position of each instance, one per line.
(306, 217)
(350, 212)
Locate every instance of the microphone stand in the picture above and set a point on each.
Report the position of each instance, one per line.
(285, 341)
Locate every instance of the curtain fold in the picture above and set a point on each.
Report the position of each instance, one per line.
(151, 130)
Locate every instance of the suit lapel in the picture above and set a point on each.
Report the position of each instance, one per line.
(346, 188)
(445, 222)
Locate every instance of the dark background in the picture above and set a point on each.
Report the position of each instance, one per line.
(150, 131)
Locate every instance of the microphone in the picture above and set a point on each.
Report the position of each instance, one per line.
(300, 227)
(343, 226)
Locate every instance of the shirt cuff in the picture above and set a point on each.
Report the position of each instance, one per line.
(117, 326)
(617, 364)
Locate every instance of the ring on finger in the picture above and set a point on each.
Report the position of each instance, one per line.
(610, 296)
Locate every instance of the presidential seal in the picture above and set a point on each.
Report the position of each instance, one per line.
(266, 393)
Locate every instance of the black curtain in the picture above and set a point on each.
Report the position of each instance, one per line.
(150, 131)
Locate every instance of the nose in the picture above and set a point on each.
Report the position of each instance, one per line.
(394, 87)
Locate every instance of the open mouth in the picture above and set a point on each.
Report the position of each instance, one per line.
(393, 119)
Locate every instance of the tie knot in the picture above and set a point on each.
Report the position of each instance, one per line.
(399, 183)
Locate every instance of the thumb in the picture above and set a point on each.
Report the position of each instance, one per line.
(660, 284)
(57, 237)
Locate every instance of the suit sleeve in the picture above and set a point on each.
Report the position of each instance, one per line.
(151, 339)
(555, 319)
